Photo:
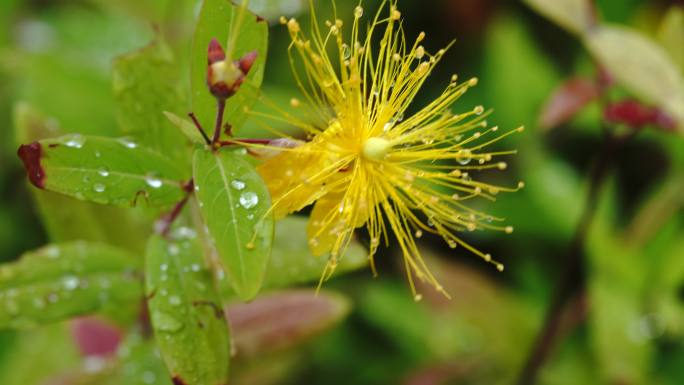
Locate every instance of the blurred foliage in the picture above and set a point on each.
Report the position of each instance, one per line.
(61, 66)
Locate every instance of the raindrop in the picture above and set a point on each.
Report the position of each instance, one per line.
(52, 252)
(346, 52)
(99, 187)
(127, 142)
(173, 249)
(70, 282)
(464, 157)
(166, 322)
(237, 184)
(39, 303)
(74, 141)
(153, 181)
(149, 377)
(175, 300)
(249, 199)
(103, 171)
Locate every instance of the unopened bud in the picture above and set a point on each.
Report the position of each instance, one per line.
(224, 76)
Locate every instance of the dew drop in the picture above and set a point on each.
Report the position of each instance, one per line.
(166, 322)
(248, 199)
(70, 282)
(237, 184)
(175, 300)
(103, 171)
(99, 187)
(464, 157)
(153, 182)
(74, 141)
(346, 52)
(127, 142)
(173, 249)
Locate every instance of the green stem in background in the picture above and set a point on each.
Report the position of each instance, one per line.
(571, 284)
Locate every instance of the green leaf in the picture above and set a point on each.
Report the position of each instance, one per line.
(66, 280)
(51, 350)
(146, 84)
(671, 35)
(291, 259)
(573, 15)
(217, 18)
(67, 219)
(103, 170)
(234, 203)
(187, 128)
(259, 327)
(641, 66)
(187, 316)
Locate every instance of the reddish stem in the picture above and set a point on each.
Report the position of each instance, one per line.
(199, 127)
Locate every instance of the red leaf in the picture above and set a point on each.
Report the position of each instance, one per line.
(95, 337)
(637, 115)
(281, 320)
(567, 100)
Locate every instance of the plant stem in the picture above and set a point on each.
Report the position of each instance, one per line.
(221, 106)
(199, 127)
(572, 281)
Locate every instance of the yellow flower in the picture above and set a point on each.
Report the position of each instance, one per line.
(369, 164)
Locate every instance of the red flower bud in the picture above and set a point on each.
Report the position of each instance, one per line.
(223, 76)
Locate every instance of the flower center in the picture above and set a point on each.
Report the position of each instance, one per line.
(376, 148)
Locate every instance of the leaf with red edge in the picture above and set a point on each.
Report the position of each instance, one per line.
(567, 100)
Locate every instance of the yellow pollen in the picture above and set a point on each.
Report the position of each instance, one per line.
(376, 148)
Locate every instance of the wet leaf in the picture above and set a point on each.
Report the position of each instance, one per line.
(187, 128)
(67, 219)
(281, 320)
(65, 280)
(145, 84)
(186, 313)
(103, 170)
(234, 203)
(216, 19)
(641, 66)
(573, 15)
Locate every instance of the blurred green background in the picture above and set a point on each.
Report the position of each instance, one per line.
(623, 325)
